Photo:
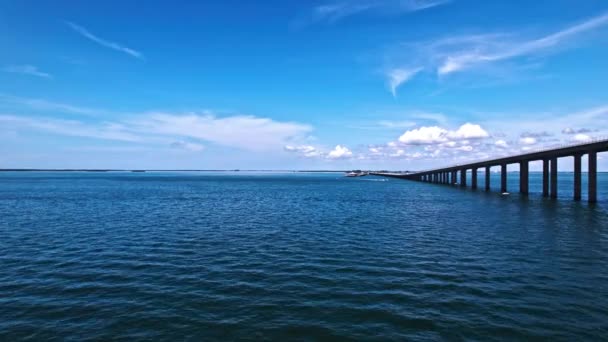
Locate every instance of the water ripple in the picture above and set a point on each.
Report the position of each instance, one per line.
(305, 257)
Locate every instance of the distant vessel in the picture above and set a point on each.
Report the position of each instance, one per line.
(356, 174)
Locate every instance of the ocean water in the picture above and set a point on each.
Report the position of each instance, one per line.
(296, 256)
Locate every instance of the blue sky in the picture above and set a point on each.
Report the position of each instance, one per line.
(397, 84)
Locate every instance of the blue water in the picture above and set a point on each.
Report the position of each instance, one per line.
(200, 256)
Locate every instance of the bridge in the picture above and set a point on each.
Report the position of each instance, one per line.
(549, 157)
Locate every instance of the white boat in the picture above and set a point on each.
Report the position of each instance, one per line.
(356, 174)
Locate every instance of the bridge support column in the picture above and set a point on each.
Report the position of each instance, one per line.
(577, 177)
(545, 178)
(474, 178)
(554, 177)
(523, 177)
(463, 177)
(487, 178)
(503, 178)
(453, 178)
(444, 178)
(592, 175)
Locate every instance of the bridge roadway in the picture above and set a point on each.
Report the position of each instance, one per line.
(549, 157)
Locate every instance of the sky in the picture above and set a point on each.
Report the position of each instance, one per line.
(293, 84)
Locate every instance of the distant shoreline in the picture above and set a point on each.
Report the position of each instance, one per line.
(232, 170)
(157, 170)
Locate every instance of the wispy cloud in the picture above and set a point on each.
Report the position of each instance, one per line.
(397, 77)
(105, 131)
(105, 43)
(478, 50)
(26, 70)
(47, 106)
(179, 130)
(337, 10)
(240, 131)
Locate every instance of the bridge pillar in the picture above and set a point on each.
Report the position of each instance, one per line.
(463, 177)
(487, 178)
(503, 178)
(444, 177)
(592, 175)
(474, 178)
(545, 178)
(577, 177)
(453, 178)
(523, 177)
(553, 177)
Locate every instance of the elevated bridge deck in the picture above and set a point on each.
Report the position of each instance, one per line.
(549, 157)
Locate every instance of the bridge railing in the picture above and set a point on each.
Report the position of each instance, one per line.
(531, 151)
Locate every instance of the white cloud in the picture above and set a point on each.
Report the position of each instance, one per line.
(240, 131)
(26, 70)
(469, 131)
(396, 77)
(581, 137)
(466, 148)
(105, 43)
(501, 144)
(340, 152)
(304, 150)
(184, 145)
(436, 135)
(424, 135)
(528, 140)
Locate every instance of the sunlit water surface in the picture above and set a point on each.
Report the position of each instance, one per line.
(202, 256)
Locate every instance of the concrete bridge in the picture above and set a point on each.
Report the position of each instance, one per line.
(549, 157)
